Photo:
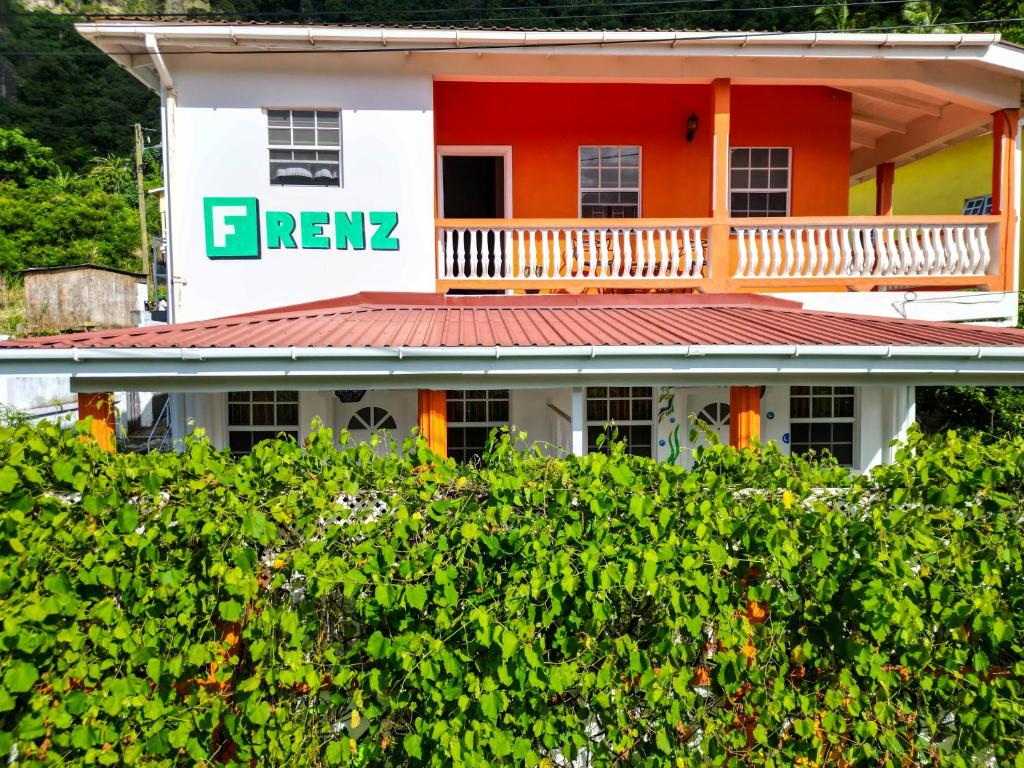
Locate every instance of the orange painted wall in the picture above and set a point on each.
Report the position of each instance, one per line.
(545, 123)
(815, 122)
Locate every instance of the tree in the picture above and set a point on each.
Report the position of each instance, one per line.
(923, 16)
(22, 158)
(835, 15)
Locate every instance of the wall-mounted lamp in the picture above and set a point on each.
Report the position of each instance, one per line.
(691, 126)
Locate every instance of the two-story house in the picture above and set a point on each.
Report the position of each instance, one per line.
(567, 231)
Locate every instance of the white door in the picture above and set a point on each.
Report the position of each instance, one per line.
(709, 407)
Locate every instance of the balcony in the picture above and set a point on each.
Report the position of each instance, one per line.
(825, 253)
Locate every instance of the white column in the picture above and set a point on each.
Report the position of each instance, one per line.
(579, 443)
(872, 432)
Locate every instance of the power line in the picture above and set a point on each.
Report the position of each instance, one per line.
(587, 16)
(520, 45)
(426, 11)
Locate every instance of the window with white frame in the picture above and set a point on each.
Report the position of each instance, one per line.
(822, 419)
(978, 206)
(759, 181)
(257, 416)
(371, 418)
(305, 147)
(628, 411)
(472, 414)
(610, 182)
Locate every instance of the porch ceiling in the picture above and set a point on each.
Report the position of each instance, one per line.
(899, 124)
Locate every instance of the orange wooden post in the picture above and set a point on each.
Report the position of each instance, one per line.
(720, 185)
(433, 420)
(99, 405)
(744, 416)
(885, 175)
(1004, 142)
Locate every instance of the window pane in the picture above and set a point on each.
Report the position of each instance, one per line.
(238, 414)
(239, 397)
(263, 414)
(759, 157)
(618, 410)
(280, 136)
(455, 410)
(327, 119)
(641, 409)
(287, 414)
(589, 177)
(303, 119)
(327, 138)
(476, 410)
(240, 442)
(759, 179)
(597, 410)
(263, 397)
(278, 117)
(741, 157)
(780, 157)
(799, 407)
(630, 177)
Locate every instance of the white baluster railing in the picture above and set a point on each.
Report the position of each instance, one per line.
(618, 251)
(892, 247)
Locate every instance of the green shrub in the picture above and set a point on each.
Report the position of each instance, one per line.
(404, 611)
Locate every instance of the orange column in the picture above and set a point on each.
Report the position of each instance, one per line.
(433, 420)
(1004, 141)
(99, 405)
(744, 416)
(885, 175)
(720, 185)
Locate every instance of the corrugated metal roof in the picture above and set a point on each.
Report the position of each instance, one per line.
(394, 320)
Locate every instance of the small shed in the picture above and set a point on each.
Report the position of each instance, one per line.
(81, 297)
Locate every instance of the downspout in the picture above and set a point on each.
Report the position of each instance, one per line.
(168, 104)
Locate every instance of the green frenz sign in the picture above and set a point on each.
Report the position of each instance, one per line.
(235, 229)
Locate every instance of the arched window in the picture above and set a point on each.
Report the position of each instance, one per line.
(715, 415)
(372, 418)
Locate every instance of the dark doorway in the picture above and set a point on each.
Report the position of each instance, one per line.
(473, 187)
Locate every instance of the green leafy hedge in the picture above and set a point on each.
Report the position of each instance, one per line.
(310, 607)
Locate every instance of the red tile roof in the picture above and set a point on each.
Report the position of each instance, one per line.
(392, 320)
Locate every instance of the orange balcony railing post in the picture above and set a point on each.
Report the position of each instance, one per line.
(719, 240)
(1004, 141)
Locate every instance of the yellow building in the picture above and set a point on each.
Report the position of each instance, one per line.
(939, 184)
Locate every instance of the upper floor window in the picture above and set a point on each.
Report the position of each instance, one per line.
(305, 147)
(257, 416)
(610, 182)
(759, 181)
(472, 414)
(978, 206)
(822, 419)
(627, 411)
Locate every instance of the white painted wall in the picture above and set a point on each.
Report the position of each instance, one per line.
(883, 413)
(218, 148)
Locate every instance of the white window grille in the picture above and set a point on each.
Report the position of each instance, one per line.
(257, 416)
(978, 206)
(610, 182)
(822, 419)
(629, 411)
(472, 414)
(305, 147)
(759, 181)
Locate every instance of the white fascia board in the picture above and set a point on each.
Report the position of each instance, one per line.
(874, 45)
(203, 369)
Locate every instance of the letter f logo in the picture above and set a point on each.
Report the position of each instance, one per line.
(232, 227)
